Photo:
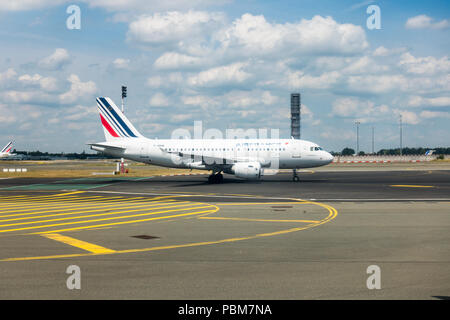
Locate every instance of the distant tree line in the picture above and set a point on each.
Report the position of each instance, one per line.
(72, 155)
(391, 152)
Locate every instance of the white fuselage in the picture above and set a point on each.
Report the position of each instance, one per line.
(186, 153)
(6, 154)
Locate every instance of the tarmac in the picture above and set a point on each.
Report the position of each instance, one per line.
(178, 237)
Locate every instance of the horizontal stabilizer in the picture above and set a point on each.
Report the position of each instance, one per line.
(104, 146)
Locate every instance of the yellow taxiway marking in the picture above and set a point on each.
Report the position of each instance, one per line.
(261, 220)
(103, 219)
(39, 201)
(45, 196)
(256, 203)
(332, 215)
(83, 206)
(410, 186)
(132, 221)
(78, 243)
(55, 203)
(97, 209)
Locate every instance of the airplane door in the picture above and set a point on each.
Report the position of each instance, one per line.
(296, 150)
(144, 150)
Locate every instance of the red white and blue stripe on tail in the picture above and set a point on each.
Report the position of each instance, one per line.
(114, 122)
(7, 148)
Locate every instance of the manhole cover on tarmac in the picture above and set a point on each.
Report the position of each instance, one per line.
(145, 237)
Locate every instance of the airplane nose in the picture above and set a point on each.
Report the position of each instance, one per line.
(329, 157)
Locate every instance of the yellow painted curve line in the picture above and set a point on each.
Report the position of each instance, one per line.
(257, 220)
(332, 214)
(410, 186)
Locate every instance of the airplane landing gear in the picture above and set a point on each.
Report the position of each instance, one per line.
(215, 178)
(295, 177)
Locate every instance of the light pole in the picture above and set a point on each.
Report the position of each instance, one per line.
(357, 136)
(401, 136)
(373, 140)
(124, 95)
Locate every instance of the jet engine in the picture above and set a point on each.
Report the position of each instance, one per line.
(247, 170)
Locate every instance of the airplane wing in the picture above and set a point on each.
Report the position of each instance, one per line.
(221, 161)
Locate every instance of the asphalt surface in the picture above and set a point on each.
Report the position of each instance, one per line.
(178, 237)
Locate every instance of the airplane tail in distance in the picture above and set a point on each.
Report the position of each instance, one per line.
(115, 124)
(7, 148)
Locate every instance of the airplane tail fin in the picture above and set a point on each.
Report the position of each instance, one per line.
(7, 148)
(115, 124)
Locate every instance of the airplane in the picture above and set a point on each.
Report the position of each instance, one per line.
(243, 158)
(6, 151)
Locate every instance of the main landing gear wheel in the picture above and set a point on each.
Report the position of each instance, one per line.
(215, 178)
(295, 177)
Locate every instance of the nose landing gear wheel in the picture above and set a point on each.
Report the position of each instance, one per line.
(295, 177)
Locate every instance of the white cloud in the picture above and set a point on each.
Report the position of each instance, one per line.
(79, 112)
(230, 74)
(200, 34)
(56, 60)
(173, 28)
(377, 84)
(7, 76)
(418, 101)
(299, 79)
(383, 52)
(48, 84)
(27, 97)
(178, 118)
(122, 6)
(202, 101)
(78, 90)
(7, 115)
(151, 5)
(363, 110)
(434, 114)
(424, 65)
(408, 117)
(174, 60)
(246, 99)
(23, 5)
(425, 22)
(253, 35)
(121, 63)
(166, 81)
(159, 100)
(155, 81)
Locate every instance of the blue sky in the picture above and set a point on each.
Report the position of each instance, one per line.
(230, 64)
